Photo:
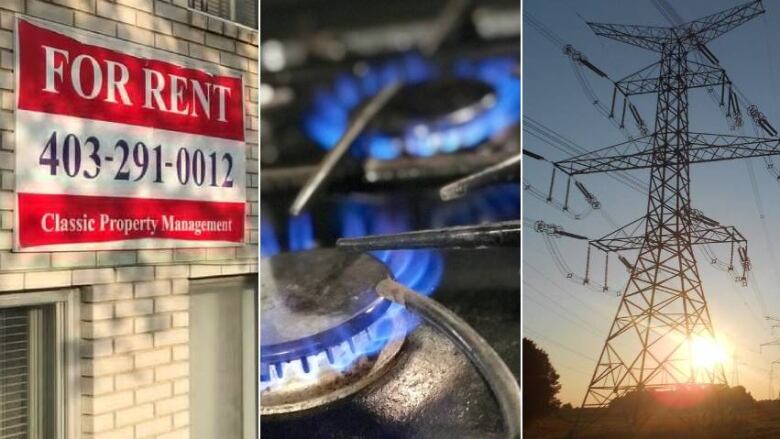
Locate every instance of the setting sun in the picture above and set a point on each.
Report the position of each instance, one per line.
(707, 353)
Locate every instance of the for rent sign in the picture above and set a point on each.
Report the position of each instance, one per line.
(122, 146)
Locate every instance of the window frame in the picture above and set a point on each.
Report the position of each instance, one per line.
(231, 20)
(67, 373)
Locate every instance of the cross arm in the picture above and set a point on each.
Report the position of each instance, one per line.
(705, 29)
(647, 37)
(647, 80)
(703, 231)
(641, 153)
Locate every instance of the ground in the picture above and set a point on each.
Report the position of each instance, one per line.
(762, 420)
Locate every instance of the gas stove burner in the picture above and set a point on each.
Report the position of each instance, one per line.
(325, 332)
(433, 113)
(435, 103)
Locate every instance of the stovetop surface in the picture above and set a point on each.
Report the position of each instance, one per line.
(432, 390)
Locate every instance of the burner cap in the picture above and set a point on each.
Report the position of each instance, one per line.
(325, 333)
(314, 299)
(438, 102)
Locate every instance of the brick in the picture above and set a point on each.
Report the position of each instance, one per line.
(46, 279)
(7, 161)
(131, 308)
(49, 11)
(24, 261)
(181, 352)
(135, 34)
(172, 303)
(72, 259)
(171, 337)
(96, 348)
(188, 33)
(181, 319)
(107, 366)
(181, 419)
(221, 43)
(134, 379)
(7, 59)
(169, 11)
(117, 257)
(122, 433)
(93, 276)
(98, 423)
(96, 405)
(11, 281)
(247, 50)
(221, 254)
(144, 5)
(7, 100)
(152, 323)
(8, 139)
(171, 371)
(81, 5)
(115, 12)
(134, 415)
(184, 254)
(6, 20)
(6, 238)
(152, 358)
(157, 24)
(181, 386)
(175, 404)
(230, 30)
(247, 35)
(154, 256)
(108, 292)
(184, 433)
(170, 44)
(207, 54)
(180, 286)
(96, 24)
(106, 328)
(134, 274)
(97, 385)
(155, 426)
(7, 41)
(131, 343)
(172, 271)
(215, 25)
(199, 20)
(205, 271)
(97, 311)
(153, 393)
(153, 288)
(6, 220)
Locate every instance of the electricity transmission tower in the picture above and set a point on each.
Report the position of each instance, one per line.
(663, 310)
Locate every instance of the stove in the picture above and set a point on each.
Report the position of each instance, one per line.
(340, 358)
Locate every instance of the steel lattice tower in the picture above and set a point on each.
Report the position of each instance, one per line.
(663, 309)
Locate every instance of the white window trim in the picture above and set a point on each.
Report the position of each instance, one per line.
(67, 333)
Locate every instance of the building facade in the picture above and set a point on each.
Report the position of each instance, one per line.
(155, 343)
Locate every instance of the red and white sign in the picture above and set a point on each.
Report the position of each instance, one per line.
(119, 146)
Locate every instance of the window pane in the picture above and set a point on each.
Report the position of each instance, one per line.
(14, 377)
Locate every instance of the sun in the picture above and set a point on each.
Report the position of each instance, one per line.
(707, 353)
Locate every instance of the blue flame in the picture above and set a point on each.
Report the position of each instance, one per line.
(327, 118)
(421, 270)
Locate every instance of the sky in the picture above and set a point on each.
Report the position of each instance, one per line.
(566, 319)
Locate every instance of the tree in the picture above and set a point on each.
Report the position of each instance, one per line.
(540, 383)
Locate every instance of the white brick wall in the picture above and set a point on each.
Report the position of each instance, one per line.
(135, 304)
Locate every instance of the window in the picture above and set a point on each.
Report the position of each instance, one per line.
(223, 360)
(39, 391)
(241, 11)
